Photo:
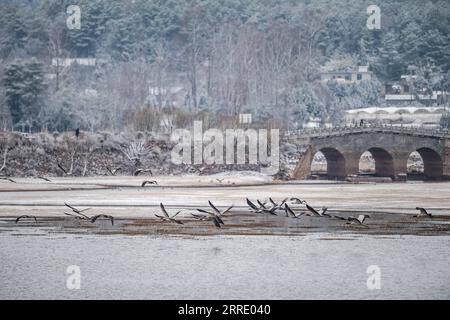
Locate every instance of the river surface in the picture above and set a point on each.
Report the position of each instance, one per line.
(33, 265)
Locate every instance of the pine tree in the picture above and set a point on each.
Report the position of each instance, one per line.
(24, 86)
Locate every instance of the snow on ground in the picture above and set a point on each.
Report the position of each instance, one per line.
(228, 178)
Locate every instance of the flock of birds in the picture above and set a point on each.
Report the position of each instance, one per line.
(216, 216)
(143, 184)
(271, 207)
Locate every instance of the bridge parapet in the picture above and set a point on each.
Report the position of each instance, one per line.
(346, 130)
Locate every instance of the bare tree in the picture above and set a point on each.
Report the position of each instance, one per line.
(56, 50)
(195, 32)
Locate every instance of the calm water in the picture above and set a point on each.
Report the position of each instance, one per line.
(236, 267)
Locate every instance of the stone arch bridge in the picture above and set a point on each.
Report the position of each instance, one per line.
(390, 147)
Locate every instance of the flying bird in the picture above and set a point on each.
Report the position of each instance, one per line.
(423, 212)
(139, 171)
(215, 216)
(360, 220)
(297, 201)
(262, 208)
(113, 171)
(220, 213)
(148, 182)
(339, 217)
(78, 211)
(324, 214)
(315, 212)
(166, 216)
(83, 217)
(61, 167)
(278, 206)
(95, 218)
(290, 212)
(26, 217)
(252, 206)
(78, 214)
(262, 204)
(210, 217)
(312, 210)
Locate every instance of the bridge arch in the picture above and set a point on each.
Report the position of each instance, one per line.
(432, 162)
(335, 162)
(383, 161)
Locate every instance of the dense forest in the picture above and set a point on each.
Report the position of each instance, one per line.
(208, 59)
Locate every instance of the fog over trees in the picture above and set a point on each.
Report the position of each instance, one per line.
(208, 60)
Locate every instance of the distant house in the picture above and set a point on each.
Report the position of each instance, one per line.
(400, 92)
(315, 122)
(245, 118)
(171, 96)
(361, 73)
(67, 62)
(92, 93)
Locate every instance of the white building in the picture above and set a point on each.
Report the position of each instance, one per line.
(361, 73)
(67, 62)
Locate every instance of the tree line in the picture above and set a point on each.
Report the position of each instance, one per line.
(229, 56)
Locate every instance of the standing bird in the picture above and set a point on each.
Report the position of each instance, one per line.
(423, 212)
(77, 132)
(166, 216)
(26, 217)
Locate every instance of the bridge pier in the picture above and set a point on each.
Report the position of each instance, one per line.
(446, 159)
(400, 161)
(351, 163)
